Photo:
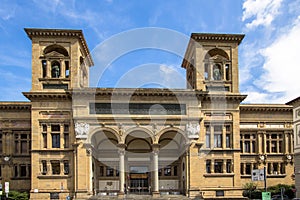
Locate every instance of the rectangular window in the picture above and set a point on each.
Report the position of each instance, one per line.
(159, 172)
(55, 134)
(220, 193)
(207, 140)
(66, 167)
(23, 171)
(55, 165)
(24, 149)
(44, 135)
(218, 166)
(228, 166)
(206, 71)
(208, 165)
(227, 72)
(218, 136)
(253, 147)
(66, 136)
(274, 147)
(109, 171)
(247, 147)
(248, 168)
(67, 67)
(101, 169)
(29, 170)
(242, 168)
(228, 141)
(44, 68)
(282, 168)
(44, 140)
(275, 168)
(44, 167)
(0, 171)
(16, 171)
(167, 171)
(175, 170)
(55, 141)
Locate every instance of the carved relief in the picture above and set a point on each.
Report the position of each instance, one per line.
(193, 130)
(81, 130)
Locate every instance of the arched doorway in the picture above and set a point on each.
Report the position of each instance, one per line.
(138, 162)
(105, 162)
(172, 160)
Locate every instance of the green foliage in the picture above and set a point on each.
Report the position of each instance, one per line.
(14, 195)
(250, 191)
(288, 190)
(251, 186)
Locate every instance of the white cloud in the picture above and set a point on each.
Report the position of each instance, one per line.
(7, 11)
(281, 65)
(260, 12)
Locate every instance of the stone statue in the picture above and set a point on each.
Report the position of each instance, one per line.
(55, 71)
(217, 74)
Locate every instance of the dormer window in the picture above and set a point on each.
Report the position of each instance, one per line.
(55, 69)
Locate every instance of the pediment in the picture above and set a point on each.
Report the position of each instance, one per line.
(54, 54)
(218, 58)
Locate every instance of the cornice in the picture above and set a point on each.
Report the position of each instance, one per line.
(225, 97)
(25, 106)
(138, 92)
(47, 96)
(294, 101)
(217, 37)
(209, 37)
(35, 32)
(266, 107)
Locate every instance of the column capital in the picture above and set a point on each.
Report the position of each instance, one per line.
(155, 147)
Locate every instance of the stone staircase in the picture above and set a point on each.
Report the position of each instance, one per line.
(141, 197)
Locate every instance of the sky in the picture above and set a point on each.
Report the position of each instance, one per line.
(138, 38)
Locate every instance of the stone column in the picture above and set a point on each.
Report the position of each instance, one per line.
(49, 139)
(265, 143)
(224, 166)
(62, 142)
(122, 170)
(155, 171)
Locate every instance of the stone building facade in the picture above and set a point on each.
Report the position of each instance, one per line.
(296, 119)
(74, 140)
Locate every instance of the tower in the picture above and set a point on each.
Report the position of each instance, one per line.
(60, 59)
(211, 62)
(60, 62)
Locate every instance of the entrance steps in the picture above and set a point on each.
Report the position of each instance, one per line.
(141, 197)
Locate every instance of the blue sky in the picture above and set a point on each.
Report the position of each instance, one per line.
(269, 69)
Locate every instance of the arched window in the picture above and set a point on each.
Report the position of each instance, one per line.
(55, 69)
(56, 48)
(217, 65)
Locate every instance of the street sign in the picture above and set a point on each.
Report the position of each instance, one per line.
(266, 195)
(258, 175)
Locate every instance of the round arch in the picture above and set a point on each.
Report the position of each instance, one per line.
(58, 48)
(104, 129)
(141, 130)
(216, 51)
